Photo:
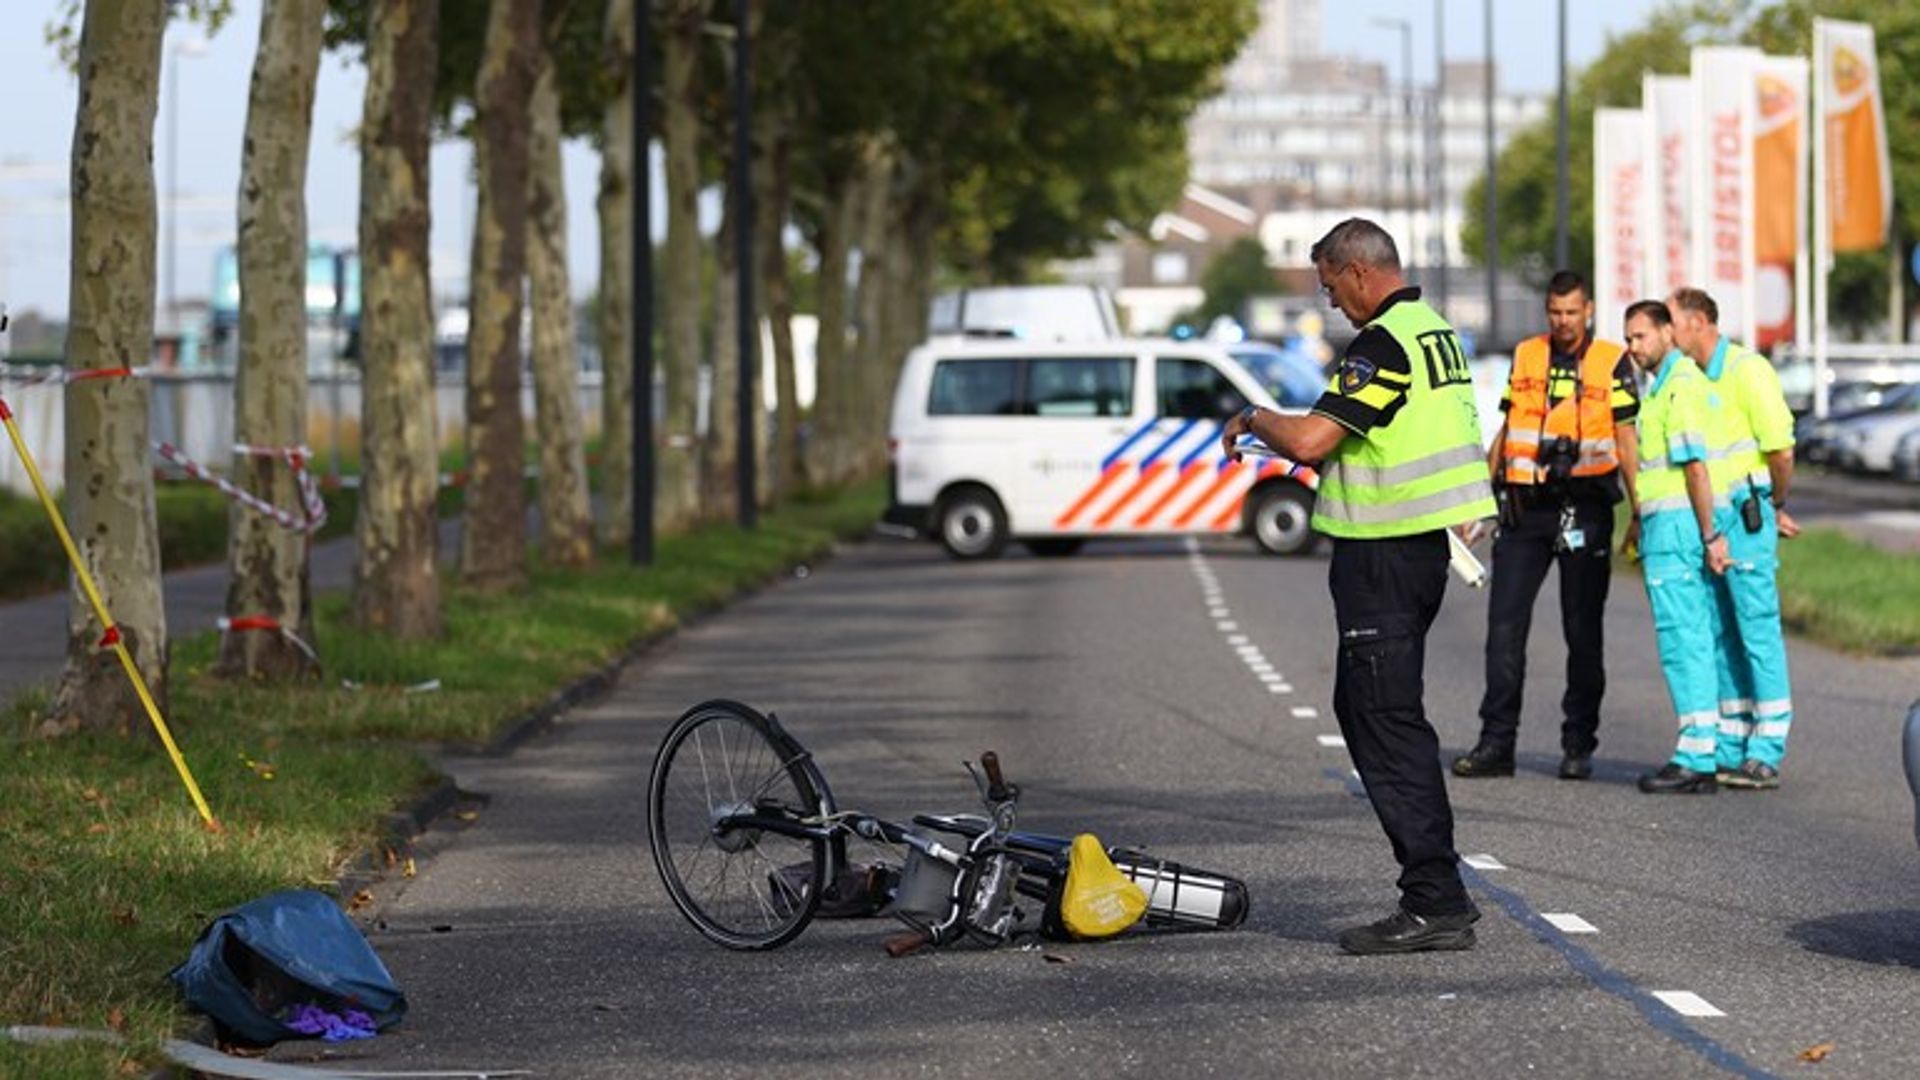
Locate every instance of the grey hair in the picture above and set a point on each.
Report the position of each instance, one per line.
(1357, 240)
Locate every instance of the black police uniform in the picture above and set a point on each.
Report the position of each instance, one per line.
(1528, 544)
(1386, 593)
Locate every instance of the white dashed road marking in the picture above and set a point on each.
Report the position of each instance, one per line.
(1330, 740)
(1225, 625)
(1483, 862)
(1568, 923)
(1304, 712)
(1687, 1003)
(1239, 641)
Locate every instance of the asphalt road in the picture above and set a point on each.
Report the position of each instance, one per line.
(1125, 702)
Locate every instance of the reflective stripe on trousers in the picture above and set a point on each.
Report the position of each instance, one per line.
(1755, 688)
(1683, 622)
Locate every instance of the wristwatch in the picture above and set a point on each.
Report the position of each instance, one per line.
(1247, 415)
(1712, 536)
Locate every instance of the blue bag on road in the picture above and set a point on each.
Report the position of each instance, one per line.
(272, 961)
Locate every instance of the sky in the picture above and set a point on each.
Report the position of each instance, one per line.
(210, 109)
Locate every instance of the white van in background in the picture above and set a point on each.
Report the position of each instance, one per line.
(1026, 312)
(1054, 443)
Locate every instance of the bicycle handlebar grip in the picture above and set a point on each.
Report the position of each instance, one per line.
(996, 783)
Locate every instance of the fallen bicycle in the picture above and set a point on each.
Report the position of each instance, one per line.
(751, 847)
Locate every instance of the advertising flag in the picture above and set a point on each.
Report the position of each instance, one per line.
(1859, 187)
(1723, 219)
(1667, 101)
(1779, 185)
(1620, 197)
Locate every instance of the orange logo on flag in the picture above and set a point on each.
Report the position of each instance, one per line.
(1849, 71)
(1777, 99)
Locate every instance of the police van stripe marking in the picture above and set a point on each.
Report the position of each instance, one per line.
(1188, 473)
(1113, 472)
(1148, 474)
(1120, 451)
(1220, 483)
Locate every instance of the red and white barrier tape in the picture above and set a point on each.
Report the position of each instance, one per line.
(314, 509)
(35, 374)
(238, 623)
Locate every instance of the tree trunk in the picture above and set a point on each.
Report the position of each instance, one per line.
(109, 478)
(878, 259)
(719, 478)
(267, 562)
(396, 583)
(615, 205)
(833, 369)
(678, 496)
(772, 191)
(566, 518)
(493, 538)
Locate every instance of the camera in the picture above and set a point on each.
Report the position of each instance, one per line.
(1557, 458)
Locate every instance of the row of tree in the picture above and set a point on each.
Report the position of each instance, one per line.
(1526, 166)
(904, 141)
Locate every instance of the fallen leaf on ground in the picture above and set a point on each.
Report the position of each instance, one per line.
(96, 828)
(1816, 1053)
(117, 1019)
(409, 871)
(360, 899)
(468, 815)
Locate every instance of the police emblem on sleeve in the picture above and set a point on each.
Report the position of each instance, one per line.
(1355, 372)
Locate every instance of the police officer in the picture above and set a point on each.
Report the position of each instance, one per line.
(1399, 445)
(1751, 440)
(1557, 464)
(1683, 547)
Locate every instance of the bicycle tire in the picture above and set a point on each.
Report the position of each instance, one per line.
(743, 889)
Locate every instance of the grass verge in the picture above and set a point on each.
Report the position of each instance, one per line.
(108, 876)
(1850, 594)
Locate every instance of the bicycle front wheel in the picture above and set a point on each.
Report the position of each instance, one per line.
(741, 888)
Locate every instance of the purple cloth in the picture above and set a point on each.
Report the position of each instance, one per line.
(314, 1020)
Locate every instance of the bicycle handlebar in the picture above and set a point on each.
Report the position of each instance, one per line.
(997, 789)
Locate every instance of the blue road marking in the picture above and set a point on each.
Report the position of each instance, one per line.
(1657, 1013)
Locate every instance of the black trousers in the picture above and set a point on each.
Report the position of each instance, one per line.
(1521, 558)
(1385, 595)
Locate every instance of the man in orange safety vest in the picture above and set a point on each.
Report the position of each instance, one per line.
(1566, 444)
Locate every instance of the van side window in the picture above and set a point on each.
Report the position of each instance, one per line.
(1072, 386)
(975, 388)
(1195, 390)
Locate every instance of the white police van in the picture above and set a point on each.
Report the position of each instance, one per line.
(1053, 443)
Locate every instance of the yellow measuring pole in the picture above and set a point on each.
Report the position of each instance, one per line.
(112, 636)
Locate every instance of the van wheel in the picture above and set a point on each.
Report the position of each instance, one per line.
(972, 524)
(1055, 547)
(1279, 517)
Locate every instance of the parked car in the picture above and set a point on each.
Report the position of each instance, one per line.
(1906, 457)
(1814, 437)
(1050, 444)
(1866, 443)
(1911, 740)
(1287, 372)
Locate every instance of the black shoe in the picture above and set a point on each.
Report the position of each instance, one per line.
(1484, 760)
(1576, 767)
(1752, 775)
(1405, 932)
(1674, 779)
